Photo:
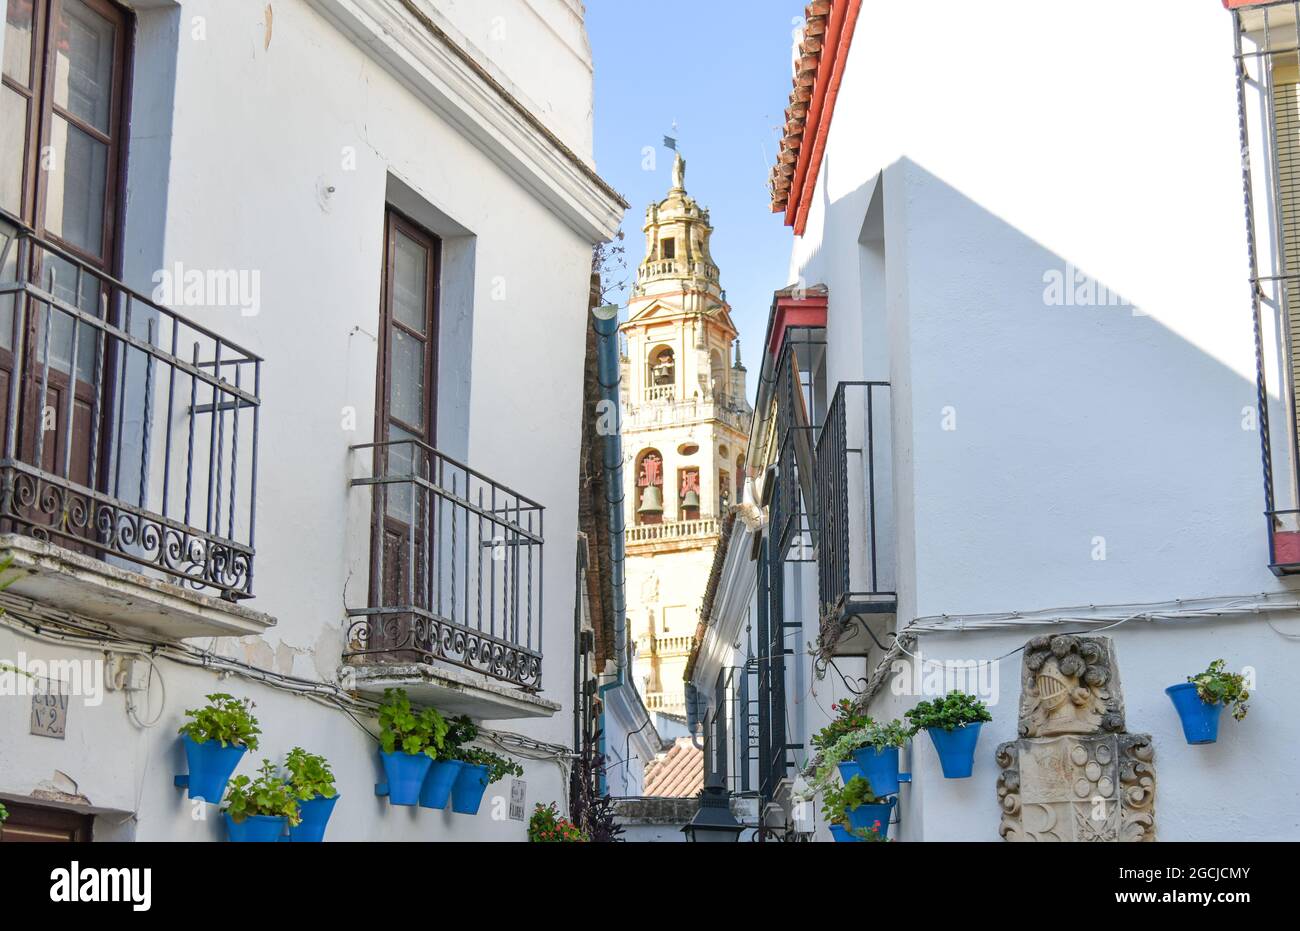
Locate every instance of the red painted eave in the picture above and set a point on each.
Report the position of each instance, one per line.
(808, 309)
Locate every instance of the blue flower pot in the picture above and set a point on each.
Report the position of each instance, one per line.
(841, 835)
(880, 768)
(849, 769)
(315, 816)
(437, 785)
(956, 749)
(255, 829)
(864, 817)
(211, 766)
(405, 773)
(1200, 718)
(467, 793)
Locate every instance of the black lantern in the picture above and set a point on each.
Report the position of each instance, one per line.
(714, 823)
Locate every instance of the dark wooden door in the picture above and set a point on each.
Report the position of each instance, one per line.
(34, 823)
(63, 86)
(407, 407)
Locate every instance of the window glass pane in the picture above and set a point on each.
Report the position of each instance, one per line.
(410, 276)
(18, 42)
(407, 386)
(74, 205)
(83, 67)
(59, 277)
(13, 141)
(401, 461)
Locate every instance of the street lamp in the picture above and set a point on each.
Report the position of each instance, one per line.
(713, 823)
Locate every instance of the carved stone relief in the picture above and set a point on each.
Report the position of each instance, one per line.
(1075, 774)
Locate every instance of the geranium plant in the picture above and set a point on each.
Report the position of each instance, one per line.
(401, 728)
(954, 710)
(268, 795)
(547, 827)
(309, 775)
(1216, 686)
(225, 719)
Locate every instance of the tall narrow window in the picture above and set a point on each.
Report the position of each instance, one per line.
(61, 151)
(406, 404)
(1286, 104)
(62, 102)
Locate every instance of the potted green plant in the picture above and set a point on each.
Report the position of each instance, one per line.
(410, 741)
(312, 782)
(855, 813)
(258, 810)
(481, 768)
(867, 749)
(442, 774)
(1201, 699)
(954, 723)
(215, 739)
(547, 827)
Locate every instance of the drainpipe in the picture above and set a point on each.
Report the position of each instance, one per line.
(607, 373)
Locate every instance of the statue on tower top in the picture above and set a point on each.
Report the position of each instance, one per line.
(679, 173)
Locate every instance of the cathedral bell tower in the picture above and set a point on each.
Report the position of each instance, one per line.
(686, 423)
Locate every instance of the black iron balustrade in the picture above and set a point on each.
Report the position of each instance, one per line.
(130, 432)
(854, 489)
(455, 568)
(731, 732)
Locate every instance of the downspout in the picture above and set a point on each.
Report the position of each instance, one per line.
(607, 373)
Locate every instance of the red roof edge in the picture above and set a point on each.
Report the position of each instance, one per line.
(830, 73)
(806, 310)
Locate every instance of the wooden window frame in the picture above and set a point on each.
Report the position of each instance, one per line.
(394, 223)
(43, 110)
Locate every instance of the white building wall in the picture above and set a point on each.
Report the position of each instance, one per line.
(280, 157)
(1106, 142)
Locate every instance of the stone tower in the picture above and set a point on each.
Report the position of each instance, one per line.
(686, 422)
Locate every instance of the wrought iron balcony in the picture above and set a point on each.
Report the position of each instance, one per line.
(854, 489)
(130, 432)
(455, 568)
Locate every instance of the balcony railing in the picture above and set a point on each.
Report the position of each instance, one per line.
(130, 432)
(672, 530)
(660, 392)
(455, 568)
(676, 413)
(854, 490)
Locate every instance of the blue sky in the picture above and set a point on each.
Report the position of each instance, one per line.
(721, 70)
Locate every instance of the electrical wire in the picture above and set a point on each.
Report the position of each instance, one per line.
(65, 630)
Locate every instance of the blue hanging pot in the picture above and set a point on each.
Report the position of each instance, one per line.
(956, 749)
(405, 773)
(865, 817)
(879, 767)
(255, 829)
(315, 814)
(840, 834)
(849, 769)
(439, 782)
(211, 766)
(467, 792)
(1200, 718)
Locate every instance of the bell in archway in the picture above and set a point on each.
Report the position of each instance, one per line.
(691, 499)
(652, 500)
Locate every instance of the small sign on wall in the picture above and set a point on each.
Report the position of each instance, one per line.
(49, 708)
(518, 796)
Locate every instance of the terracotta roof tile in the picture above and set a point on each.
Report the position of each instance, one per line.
(679, 773)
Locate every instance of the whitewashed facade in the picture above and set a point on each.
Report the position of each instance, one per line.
(1037, 240)
(275, 138)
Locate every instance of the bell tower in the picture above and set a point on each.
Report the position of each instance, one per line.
(686, 421)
